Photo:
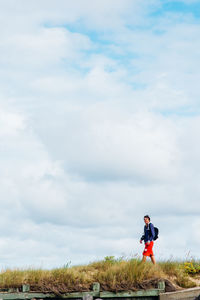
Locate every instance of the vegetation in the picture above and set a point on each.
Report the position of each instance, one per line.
(112, 274)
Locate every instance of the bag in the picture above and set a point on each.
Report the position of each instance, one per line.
(156, 233)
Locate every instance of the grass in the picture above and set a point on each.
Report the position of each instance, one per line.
(112, 274)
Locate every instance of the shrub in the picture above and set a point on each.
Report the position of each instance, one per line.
(192, 267)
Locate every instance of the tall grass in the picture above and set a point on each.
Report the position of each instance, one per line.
(178, 273)
(112, 274)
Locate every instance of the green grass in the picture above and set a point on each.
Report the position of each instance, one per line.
(112, 274)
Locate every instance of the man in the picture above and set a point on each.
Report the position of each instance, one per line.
(148, 237)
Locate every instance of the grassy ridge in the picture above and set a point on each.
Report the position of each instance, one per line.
(113, 274)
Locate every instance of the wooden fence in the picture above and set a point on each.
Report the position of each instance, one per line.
(95, 293)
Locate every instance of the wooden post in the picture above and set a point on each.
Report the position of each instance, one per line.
(161, 286)
(96, 287)
(25, 288)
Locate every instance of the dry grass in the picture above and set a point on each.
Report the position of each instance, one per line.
(113, 274)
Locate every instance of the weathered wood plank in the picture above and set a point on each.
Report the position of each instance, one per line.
(14, 296)
(188, 294)
(83, 295)
(88, 297)
(130, 294)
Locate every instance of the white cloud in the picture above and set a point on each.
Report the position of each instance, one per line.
(97, 128)
(10, 123)
(46, 47)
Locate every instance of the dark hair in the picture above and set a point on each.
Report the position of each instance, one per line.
(147, 216)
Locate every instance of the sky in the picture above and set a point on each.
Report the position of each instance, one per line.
(99, 125)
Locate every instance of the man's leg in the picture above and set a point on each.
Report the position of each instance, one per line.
(153, 259)
(144, 258)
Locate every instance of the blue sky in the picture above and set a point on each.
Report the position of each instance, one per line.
(180, 7)
(99, 125)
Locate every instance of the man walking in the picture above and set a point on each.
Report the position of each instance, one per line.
(148, 237)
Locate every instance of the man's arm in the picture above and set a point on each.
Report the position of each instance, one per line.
(142, 238)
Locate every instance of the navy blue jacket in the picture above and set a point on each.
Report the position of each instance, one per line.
(149, 233)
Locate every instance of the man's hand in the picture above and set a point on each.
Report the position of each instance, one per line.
(140, 241)
(148, 242)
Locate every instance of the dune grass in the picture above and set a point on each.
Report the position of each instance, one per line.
(112, 274)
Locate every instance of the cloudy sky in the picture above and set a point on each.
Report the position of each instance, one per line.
(99, 125)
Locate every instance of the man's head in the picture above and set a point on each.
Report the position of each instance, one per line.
(146, 219)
